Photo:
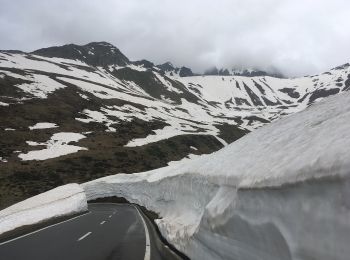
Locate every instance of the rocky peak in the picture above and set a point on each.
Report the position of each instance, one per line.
(171, 69)
(342, 67)
(167, 66)
(185, 72)
(95, 53)
(144, 63)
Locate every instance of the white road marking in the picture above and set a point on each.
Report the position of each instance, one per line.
(88, 233)
(148, 244)
(102, 222)
(36, 231)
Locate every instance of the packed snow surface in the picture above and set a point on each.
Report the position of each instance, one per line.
(247, 200)
(64, 200)
(187, 158)
(43, 125)
(57, 146)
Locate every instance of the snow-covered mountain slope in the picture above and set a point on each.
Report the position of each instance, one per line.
(134, 116)
(280, 192)
(177, 100)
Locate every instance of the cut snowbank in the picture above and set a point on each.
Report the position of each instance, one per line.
(64, 200)
(225, 205)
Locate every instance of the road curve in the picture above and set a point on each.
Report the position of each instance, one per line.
(107, 231)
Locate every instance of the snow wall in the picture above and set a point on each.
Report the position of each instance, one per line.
(64, 200)
(281, 192)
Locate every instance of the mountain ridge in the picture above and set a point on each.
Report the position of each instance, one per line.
(83, 53)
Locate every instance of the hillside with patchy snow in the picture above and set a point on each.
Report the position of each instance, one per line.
(75, 113)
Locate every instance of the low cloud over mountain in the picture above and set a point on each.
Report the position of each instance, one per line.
(291, 37)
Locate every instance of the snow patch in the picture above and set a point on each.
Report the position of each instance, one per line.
(84, 96)
(57, 146)
(41, 87)
(159, 134)
(43, 125)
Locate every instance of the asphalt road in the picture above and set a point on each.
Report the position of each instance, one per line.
(107, 231)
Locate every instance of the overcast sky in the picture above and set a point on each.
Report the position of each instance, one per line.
(297, 37)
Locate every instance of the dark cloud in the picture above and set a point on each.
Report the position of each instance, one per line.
(294, 36)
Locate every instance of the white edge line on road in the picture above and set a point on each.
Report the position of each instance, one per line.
(148, 245)
(102, 222)
(88, 233)
(36, 231)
